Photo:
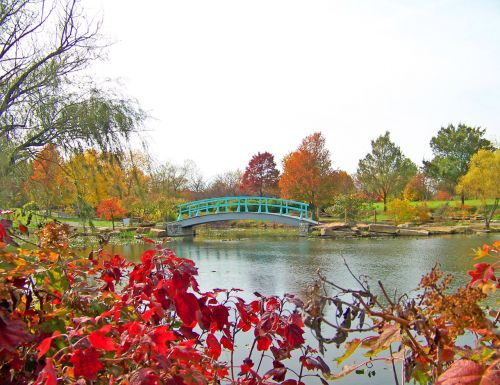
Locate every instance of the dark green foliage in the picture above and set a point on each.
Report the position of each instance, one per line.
(453, 148)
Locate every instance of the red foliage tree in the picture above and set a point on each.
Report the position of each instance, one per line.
(261, 175)
(110, 209)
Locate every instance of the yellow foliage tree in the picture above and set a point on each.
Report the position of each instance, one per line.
(97, 176)
(482, 180)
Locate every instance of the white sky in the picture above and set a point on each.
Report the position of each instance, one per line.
(226, 79)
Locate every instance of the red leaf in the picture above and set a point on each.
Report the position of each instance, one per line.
(296, 319)
(187, 308)
(147, 240)
(147, 256)
(86, 363)
(226, 343)
(145, 376)
(99, 340)
(293, 335)
(466, 372)
(272, 304)
(220, 315)
(45, 344)
(264, 343)
(12, 334)
(23, 229)
(160, 336)
(483, 273)
(278, 372)
(315, 363)
(48, 374)
(247, 365)
(214, 348)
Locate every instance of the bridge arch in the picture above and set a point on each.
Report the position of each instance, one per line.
(285, 211)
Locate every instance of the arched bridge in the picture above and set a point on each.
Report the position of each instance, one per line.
(277, 210)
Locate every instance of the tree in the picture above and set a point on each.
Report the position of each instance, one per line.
(349, 207)
(482, 180)
(385, 171)
(418, 188)
(343, 183)
(224, 185)
(49, 185)
(453, 148)
(110, 209)
(42, 47)
(307, 173)
(261, 175)
(96, 176)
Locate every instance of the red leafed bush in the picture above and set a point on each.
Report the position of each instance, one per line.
(108, 320)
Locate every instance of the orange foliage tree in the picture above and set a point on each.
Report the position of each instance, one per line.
(48, 185)
(307, 173)
(110, 209)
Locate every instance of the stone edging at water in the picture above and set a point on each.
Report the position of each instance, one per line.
(340, 229)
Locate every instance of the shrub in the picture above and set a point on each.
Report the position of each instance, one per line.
(443, 196)
(401, 211)
(423, 213)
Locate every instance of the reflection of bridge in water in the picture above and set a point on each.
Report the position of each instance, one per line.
(284, 211)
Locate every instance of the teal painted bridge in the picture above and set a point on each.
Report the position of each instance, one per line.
(288, 212)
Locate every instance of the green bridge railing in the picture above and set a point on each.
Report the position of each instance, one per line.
(243, 204)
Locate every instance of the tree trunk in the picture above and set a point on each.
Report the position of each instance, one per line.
(113, 221)
(462, 197)
(385, 202)
(489, 216)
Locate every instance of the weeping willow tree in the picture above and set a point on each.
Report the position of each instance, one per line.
(44, 98)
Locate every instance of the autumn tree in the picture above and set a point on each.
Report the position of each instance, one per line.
(453, 148)
(261, 175)
(343, 183)
(96, 177)
(225, 184)
(482, 180)
(418, 188)
(43, 45)
(307, 173)
(385, 171)
(110, 209)
(49, 185)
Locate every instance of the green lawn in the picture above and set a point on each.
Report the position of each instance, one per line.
(379, 206)
(432, 205)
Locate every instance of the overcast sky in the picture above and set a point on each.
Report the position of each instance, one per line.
(223, 80)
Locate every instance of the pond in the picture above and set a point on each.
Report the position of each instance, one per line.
(290, 265)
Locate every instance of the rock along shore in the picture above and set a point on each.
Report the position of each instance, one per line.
(340, 230)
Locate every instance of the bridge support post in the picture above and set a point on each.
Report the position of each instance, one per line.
(304, 229)
(174, 229)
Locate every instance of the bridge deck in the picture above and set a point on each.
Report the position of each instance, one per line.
(244, 204)
(234, 216)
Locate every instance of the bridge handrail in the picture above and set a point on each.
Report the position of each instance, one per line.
(207, 206)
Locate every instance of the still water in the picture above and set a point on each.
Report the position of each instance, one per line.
(290, 265)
